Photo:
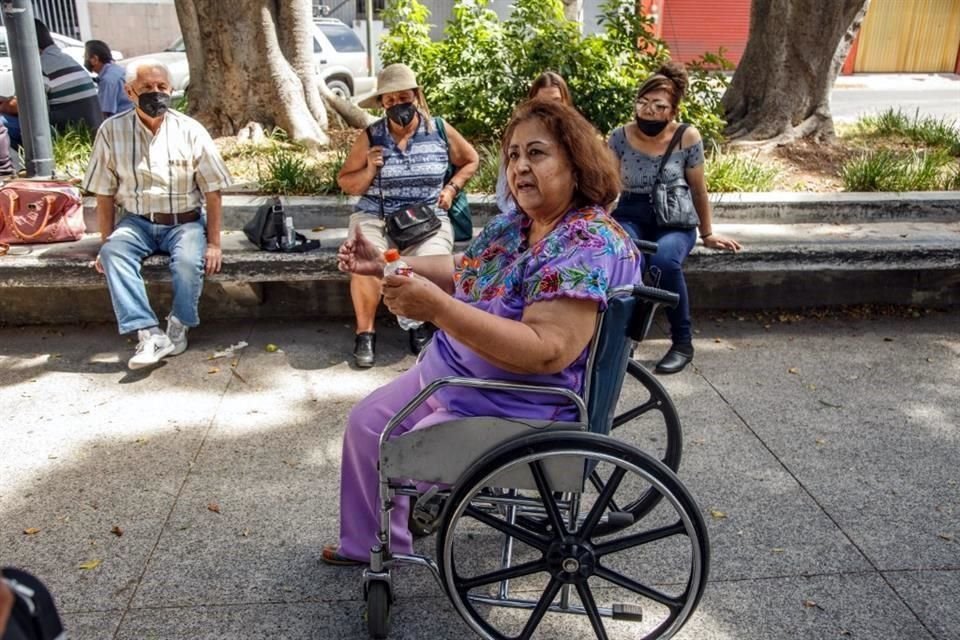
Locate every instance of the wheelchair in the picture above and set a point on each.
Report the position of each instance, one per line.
(552, 529)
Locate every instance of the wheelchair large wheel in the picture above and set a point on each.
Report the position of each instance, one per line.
(516, 565)
(651, 424)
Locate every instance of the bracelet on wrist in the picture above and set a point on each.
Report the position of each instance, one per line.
(706, 235)
(454, 186)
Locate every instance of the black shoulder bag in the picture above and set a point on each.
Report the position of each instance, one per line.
(672, 203)
(409, 226)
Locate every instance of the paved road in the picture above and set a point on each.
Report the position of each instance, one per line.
(823, 454)
(933, 95)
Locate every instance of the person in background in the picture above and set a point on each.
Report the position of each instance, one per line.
(71, 93)
(6, 163)
(640, 146)
(162, 168)
(549, 85)
(111, 78)
(400, 161)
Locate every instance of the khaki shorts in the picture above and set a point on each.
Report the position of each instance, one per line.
(374, 229)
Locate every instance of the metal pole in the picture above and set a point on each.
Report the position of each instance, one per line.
(369, 12)
(28, 82)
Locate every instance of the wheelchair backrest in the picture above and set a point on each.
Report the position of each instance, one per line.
(607, 364)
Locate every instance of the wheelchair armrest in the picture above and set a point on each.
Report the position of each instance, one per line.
(645, 246)
(658, 296)
(477, 383)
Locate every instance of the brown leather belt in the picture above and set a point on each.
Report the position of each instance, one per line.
(172, 218)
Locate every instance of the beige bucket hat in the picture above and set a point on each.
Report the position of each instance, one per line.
(394, 77)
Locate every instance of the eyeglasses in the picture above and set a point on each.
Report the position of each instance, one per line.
(657, 106)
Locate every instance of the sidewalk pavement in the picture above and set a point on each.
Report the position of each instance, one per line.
(822, 452)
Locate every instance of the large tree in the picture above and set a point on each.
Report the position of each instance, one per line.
(781, 89)
(251, 63)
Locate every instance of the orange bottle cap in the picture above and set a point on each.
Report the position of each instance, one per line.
(391, 255)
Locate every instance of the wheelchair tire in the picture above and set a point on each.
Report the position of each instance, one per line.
(378, 609)
(575, 558)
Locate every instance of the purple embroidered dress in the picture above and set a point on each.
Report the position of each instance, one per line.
(587, 256)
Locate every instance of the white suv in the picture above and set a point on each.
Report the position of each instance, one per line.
(340, 57)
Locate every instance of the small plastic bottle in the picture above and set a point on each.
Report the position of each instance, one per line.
(396, 266)
(289, 240)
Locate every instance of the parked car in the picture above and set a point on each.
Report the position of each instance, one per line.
(339, 55)
(72, 47)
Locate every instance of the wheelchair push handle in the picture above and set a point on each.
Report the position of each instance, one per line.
(658, 296)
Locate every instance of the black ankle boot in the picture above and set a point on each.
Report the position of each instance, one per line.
(419, 337)
(364, 348)
(678, 357)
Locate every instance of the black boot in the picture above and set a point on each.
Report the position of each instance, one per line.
(364, 348)
(419, 337)
(678, 357)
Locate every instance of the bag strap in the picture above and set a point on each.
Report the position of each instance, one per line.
(8, 214)
(379, 180)
(674, 141)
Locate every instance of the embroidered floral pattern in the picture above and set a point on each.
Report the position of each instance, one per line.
(583, 257)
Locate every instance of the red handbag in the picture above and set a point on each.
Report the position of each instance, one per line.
(40, 212)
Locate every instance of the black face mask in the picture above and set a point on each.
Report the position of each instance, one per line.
(154, 103)
(651, 127)
(402, 113)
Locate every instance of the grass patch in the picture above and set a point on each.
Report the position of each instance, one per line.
(71, 151)
(887, 170)
(941, 133)
(731, 172)
(293, 171)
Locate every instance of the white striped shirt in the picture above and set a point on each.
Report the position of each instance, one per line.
(164, 173)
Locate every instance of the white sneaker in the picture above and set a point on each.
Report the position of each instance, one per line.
(153, 347)
(177, 333)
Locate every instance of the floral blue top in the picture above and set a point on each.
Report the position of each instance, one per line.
(587, 256)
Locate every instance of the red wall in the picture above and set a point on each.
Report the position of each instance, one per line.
(693, 27)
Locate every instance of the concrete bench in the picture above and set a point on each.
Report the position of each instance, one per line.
(910, 256)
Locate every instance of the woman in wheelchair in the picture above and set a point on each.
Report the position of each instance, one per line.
(520, 304)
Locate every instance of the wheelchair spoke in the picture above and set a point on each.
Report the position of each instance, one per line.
(638, 539)
(630, 414)
(621, 580)
(603, 501)
(597, 483)
(553, 588)
(586, 597)
(509, 573)
(546, 495)
(514, 531)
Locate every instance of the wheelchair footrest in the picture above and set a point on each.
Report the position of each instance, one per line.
(628, 612)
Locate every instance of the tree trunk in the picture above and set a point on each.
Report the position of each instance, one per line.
(252, 63)
(781, 89)
(573, 10)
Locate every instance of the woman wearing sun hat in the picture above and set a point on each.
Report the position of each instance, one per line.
(400, 162)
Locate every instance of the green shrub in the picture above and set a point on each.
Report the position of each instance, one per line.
(483, 67)
(485, 179)
(287, 173)
(71, 150)
(731, 172)
(886, 170)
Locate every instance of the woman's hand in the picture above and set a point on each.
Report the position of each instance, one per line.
(360, 257)
(413, 297)
(375, 157)
(716, 241)
(447, 194)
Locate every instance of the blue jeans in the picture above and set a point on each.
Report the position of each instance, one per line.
(121, 256)
(635, 215)
(13, 130)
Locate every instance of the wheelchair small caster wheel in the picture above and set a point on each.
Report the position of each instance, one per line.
(378, 609)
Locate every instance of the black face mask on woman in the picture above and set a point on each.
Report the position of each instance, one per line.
(154, 103)
(402, 113)
(651, 127)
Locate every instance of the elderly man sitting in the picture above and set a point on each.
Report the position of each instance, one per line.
(161, 167)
